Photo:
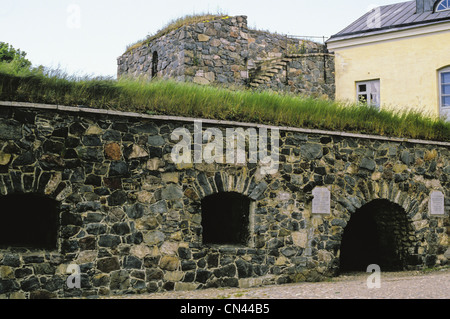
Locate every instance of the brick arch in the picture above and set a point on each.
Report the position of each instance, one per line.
(44, 186)
(379, 233)
(243, 183)
(415, 207)
(48, 184)
(240, 182)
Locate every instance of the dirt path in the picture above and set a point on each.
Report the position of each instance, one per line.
(395, 285)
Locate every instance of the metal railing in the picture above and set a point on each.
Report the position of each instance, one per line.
(309, 38)
(301, 48)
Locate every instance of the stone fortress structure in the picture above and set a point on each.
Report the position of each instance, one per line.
(226, 52)
(93, 203)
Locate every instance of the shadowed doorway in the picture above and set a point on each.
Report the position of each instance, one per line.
(225, 219)
(377, 233)
(28, 220)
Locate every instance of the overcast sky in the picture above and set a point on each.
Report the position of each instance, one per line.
(85, 37)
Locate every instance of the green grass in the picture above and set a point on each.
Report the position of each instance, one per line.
(190, 100)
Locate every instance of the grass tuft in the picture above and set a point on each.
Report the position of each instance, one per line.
(176, 24)
(191, 100)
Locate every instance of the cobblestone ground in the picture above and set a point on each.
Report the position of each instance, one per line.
(394, 285)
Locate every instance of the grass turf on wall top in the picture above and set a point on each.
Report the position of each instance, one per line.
(176, 24)
(191, 100)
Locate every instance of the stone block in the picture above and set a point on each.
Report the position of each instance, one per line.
(174, 276)
(108, 265)
(137, 152)
(6, 272)
(172, 192)
(4, 158)
(185, 286)
(203, 37)
(171, 177)
(170, 263)
(153, 238)
(113, 152)
(201, 80)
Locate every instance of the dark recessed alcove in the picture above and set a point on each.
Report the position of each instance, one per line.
(28, 220)
(377, 233)
(225, 219)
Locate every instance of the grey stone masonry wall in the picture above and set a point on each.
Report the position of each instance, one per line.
(309, 74)
(216, 51)
(170, 62)
(131, 219)
(225, 52)
(281, 63)
(204, 53)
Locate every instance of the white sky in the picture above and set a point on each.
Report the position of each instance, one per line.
(85, 37)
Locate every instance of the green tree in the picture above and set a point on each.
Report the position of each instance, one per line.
(9, 54)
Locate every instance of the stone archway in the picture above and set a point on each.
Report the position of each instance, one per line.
(239, 190)
(31, 214)
(378, 232)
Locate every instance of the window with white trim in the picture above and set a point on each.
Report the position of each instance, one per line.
(443, 5)
(444, 88)
(368, 92)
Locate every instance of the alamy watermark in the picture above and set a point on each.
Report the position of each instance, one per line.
(73, 20)
(374, 280)
(230, 149)
(74, 280)
(374, 19)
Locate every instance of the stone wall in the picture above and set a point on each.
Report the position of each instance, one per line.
(204, 53)
(216, 52)
(281, 63)
(169, 63)
(225, 52)
(309, 74)
(130, 217)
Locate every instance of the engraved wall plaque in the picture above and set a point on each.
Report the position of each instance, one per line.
(436, 203)
(321, 201)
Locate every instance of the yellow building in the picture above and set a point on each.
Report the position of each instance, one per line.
(397, 56)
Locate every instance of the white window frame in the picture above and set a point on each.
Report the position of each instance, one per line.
(368, 92)
(447, 6)
(441, 91)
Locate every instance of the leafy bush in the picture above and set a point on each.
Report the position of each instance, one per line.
(15, 57)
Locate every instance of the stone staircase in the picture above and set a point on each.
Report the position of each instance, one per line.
(266, 69)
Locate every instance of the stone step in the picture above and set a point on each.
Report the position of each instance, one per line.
(279, 66)
(258, 81)
(271, 67)
(268, 69)
(272, 71)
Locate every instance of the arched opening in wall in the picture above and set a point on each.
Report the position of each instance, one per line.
(29, 221)
(377, 233)
(154, 64)
(226, 219)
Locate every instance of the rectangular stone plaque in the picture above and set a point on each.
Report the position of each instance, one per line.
(321, 201)
(436, 204)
